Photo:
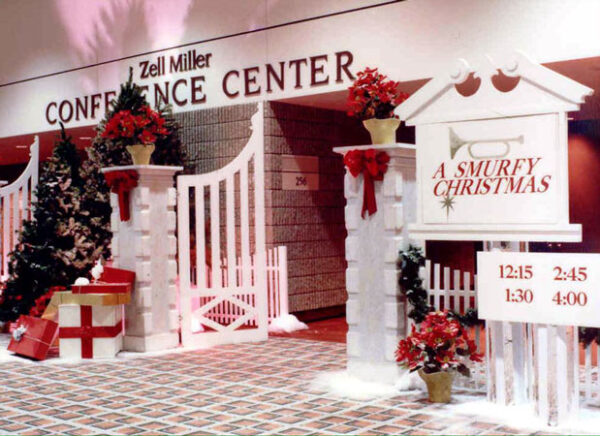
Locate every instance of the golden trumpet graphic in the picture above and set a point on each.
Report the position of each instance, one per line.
(456, 142)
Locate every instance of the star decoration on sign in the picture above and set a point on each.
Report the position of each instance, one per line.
(447, 203)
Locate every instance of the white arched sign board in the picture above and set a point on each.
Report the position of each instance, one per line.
(493, 165)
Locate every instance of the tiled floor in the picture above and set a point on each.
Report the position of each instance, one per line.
(236, 389)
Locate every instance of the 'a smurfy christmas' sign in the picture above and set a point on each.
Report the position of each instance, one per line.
(492, 165)
(485, 167)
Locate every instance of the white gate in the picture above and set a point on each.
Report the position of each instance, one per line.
(221, 214)
(277, 283)
(15, 200)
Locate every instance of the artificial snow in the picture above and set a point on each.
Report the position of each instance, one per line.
(522, 415)
(196, 325)
(286, 324)
(410, 381)
(342, 384)
(97, 270)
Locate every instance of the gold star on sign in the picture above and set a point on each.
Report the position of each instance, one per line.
(447, 203)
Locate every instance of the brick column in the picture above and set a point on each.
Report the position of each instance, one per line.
(147, 244)
(375, 311)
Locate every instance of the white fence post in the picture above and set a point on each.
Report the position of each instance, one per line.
(283, 281)
(15, 201)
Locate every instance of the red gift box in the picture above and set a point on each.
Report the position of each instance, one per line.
(102, 288)
(116, 275)
(33, 337)
(112, 281)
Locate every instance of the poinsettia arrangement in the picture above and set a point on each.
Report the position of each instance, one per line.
(373, 95)
(440, 344)
(143, 127)
(42, 302)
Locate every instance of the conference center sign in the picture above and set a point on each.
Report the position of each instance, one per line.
(493, 164)
(183, 80)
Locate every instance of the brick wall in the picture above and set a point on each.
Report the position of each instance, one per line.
(213, 137)
(309, 223)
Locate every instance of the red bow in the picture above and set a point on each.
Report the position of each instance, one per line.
(373, 166)
(121, 182)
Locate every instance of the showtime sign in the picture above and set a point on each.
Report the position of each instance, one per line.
(492, 165)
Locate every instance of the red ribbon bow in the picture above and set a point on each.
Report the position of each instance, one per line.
(373, 165)
(121, 183)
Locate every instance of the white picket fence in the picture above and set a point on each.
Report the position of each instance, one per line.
(590, 375)
(456, 290)
(15, 200)
(277, 286)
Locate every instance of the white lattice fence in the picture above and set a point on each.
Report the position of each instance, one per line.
(456, 290)
(277, 285)
(15, 200)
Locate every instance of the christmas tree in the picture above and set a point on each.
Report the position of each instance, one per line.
(106, 152)
(65, 236)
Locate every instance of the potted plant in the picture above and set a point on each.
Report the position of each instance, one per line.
(373, 98)
(137, 132)
(437, 350)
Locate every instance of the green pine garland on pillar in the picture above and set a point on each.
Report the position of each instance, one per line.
(65, 236)
(411, 285)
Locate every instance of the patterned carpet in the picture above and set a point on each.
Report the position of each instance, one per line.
(243, 389)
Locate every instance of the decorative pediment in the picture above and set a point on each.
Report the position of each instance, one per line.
(539, 90)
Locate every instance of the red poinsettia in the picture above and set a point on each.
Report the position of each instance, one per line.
(438, 345)
(145, 126)
(40, 304)
(372, 95)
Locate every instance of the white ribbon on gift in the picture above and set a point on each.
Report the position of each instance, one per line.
(19, 332)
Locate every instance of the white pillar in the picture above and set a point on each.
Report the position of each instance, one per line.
(375, 311)
(147, 244)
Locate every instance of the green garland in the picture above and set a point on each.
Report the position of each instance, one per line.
(411, 284)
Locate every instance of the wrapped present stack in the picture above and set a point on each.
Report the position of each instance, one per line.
(90, 316)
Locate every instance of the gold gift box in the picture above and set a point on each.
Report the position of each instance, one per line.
(67, 297)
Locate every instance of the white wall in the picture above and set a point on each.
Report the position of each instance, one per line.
(407, 40)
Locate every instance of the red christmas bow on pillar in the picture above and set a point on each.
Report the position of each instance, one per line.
(121, 183)
(373, 165)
